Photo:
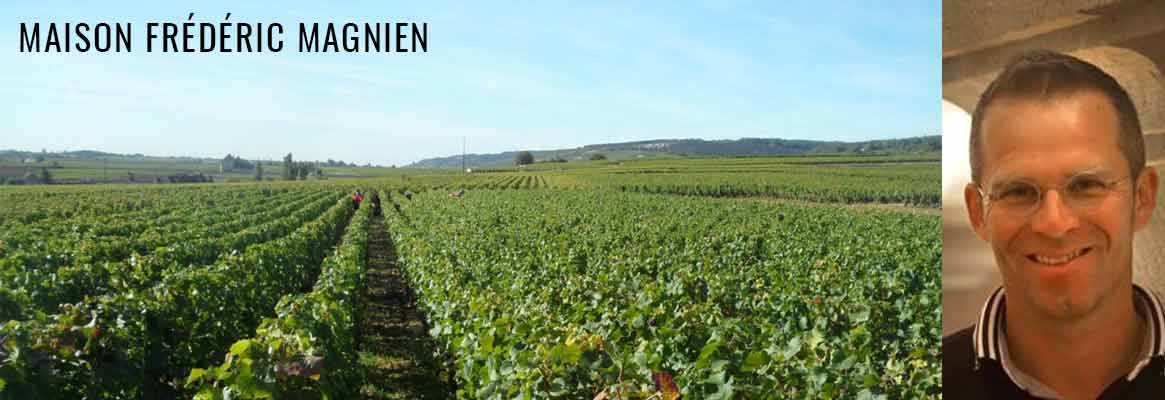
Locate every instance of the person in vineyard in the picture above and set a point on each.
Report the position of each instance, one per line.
(375, 203)
(1059, 187)
(356, 199)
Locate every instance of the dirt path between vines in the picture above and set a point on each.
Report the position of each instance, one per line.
(395, 349)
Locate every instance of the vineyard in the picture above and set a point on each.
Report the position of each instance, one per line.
(114, 307)
(568, 294)
(617, 280)
(908, 180)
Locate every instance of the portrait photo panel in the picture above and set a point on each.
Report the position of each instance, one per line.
(1053, 130)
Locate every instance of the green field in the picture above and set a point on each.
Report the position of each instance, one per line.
(146, 170)
(567, 292)
(550, 281)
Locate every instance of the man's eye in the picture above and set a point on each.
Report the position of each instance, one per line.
(1019, 193)
(1087, 187)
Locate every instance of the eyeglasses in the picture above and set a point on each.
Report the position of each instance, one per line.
(1083, 193)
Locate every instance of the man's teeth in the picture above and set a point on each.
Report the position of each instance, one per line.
(1058, 260)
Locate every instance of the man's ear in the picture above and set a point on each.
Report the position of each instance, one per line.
(1146, 197)
(975, 211)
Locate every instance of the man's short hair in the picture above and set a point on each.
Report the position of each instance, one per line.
(1045, 75)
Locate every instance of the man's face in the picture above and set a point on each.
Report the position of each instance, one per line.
(1060, 261)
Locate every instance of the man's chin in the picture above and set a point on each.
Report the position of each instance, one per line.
(1064, 306)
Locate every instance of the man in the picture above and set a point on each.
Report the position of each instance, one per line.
(1059, 186)
(375, 203)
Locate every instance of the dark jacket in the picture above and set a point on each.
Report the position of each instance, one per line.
(972, 370)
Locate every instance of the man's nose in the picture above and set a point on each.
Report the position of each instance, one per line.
(1053, 217)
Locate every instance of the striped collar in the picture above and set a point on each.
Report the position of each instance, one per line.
(987, 334)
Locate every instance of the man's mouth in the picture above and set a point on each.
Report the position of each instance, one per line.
(1058, 259)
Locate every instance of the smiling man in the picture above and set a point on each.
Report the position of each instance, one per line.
(1059, 186)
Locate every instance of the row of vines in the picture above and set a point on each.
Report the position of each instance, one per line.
(126, 305)
(578, 294)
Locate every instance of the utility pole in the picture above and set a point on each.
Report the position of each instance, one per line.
(463, 154)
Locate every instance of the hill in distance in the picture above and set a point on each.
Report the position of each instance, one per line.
(664, 148)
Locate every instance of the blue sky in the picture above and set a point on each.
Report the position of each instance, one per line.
(505, 76)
